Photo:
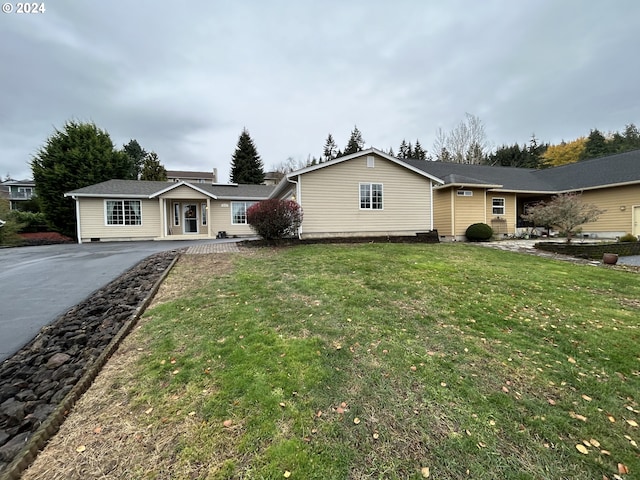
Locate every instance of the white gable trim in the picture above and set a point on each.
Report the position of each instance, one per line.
(179, 184)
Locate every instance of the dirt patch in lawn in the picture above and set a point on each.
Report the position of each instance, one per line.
(103, 437)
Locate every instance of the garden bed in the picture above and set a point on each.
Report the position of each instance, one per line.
(590, 250)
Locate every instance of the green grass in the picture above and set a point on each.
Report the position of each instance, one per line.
(374, 361)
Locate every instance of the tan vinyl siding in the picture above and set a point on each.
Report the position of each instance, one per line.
(220, 220)
(330, 198)
(184, 193)
(468, 210)
(510, 213)
(92, 212)
(442, 215)
(614, 219)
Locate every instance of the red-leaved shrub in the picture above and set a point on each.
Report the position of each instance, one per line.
(275, 219)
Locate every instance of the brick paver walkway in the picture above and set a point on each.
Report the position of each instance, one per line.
(227, 247)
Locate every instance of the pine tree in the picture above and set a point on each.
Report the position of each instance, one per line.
(330, 149)
(419, 153)
(246, 165)
(137, 155)
(403, 150)
(356, 143)
(595, 146)
(152, 169)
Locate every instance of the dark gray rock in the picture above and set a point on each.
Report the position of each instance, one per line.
(58, 359)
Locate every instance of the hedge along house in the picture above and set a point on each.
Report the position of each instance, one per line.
(498, 196)
(368, 193)
(122, 210)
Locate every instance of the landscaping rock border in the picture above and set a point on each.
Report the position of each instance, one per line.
(42, 382)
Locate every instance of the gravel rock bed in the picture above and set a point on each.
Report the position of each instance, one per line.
(35, 381)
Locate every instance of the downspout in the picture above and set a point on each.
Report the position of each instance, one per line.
(431, 204)
(78, 228)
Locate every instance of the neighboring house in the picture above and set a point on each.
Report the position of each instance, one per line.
(368, 193)
(372, 193)
(193, 177)
(118, 210)
(19, 191)
(272, 178)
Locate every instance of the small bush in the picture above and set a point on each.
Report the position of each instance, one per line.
(275, 219)
(629, 238)
(31, 222)
(479, 232)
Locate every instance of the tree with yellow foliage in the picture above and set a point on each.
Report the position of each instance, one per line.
(564, 153)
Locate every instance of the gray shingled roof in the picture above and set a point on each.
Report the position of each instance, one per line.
(598, 172)
(145, 189)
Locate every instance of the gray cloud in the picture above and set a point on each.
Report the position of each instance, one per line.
(184, 79)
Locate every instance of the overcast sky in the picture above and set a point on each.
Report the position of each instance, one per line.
(184, 78)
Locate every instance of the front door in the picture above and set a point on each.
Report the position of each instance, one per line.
(190, 218)
(636, 221)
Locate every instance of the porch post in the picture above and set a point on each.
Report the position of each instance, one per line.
(163, 220)
(209, 217)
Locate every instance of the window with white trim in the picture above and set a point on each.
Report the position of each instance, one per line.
(497, 205)
(203, 212)
(370, 196)
(465, 193)
(123, 212)
(239, 212)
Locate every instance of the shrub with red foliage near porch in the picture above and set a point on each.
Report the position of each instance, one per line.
(274, 219)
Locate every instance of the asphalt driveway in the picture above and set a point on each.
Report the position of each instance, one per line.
(38, 284)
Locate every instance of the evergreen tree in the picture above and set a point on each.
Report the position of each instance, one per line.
(152, 169)
(356, 143)
(403, 150)
(78, 156)
(330, 149)
(246, 165)
(595, 146)
(631, 138)
(419, 153)
(137, 155)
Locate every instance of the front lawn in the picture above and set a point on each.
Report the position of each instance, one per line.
(374, 361)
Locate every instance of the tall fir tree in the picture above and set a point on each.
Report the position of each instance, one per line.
(152, 169)
(595, 146)
(419, 153)
(246, 165)
(355, 143)
(330, 149)
(137, 155)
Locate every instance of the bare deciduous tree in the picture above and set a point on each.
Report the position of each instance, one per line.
(467, 143)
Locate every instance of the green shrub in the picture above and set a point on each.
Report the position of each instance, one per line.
(31, 222)
(629, 238)
(479, 232)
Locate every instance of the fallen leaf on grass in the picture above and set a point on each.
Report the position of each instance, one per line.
(551, 401)
(81, 449)
(282, 404)
(227, 423)
(611, 418)
(577, 416)
(425, 472)
(505, 389)
(622, 469)
(356, 420)
(148, 410)
(571, 360)
(633, 423)
(594, 442)
(586, 397)
(582, 449)
(97, 429)
(287, 474)
(376, 435)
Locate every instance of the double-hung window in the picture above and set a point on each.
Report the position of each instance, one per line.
(497, 204)
(239, 212)
(123, 212)
(370, 196)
